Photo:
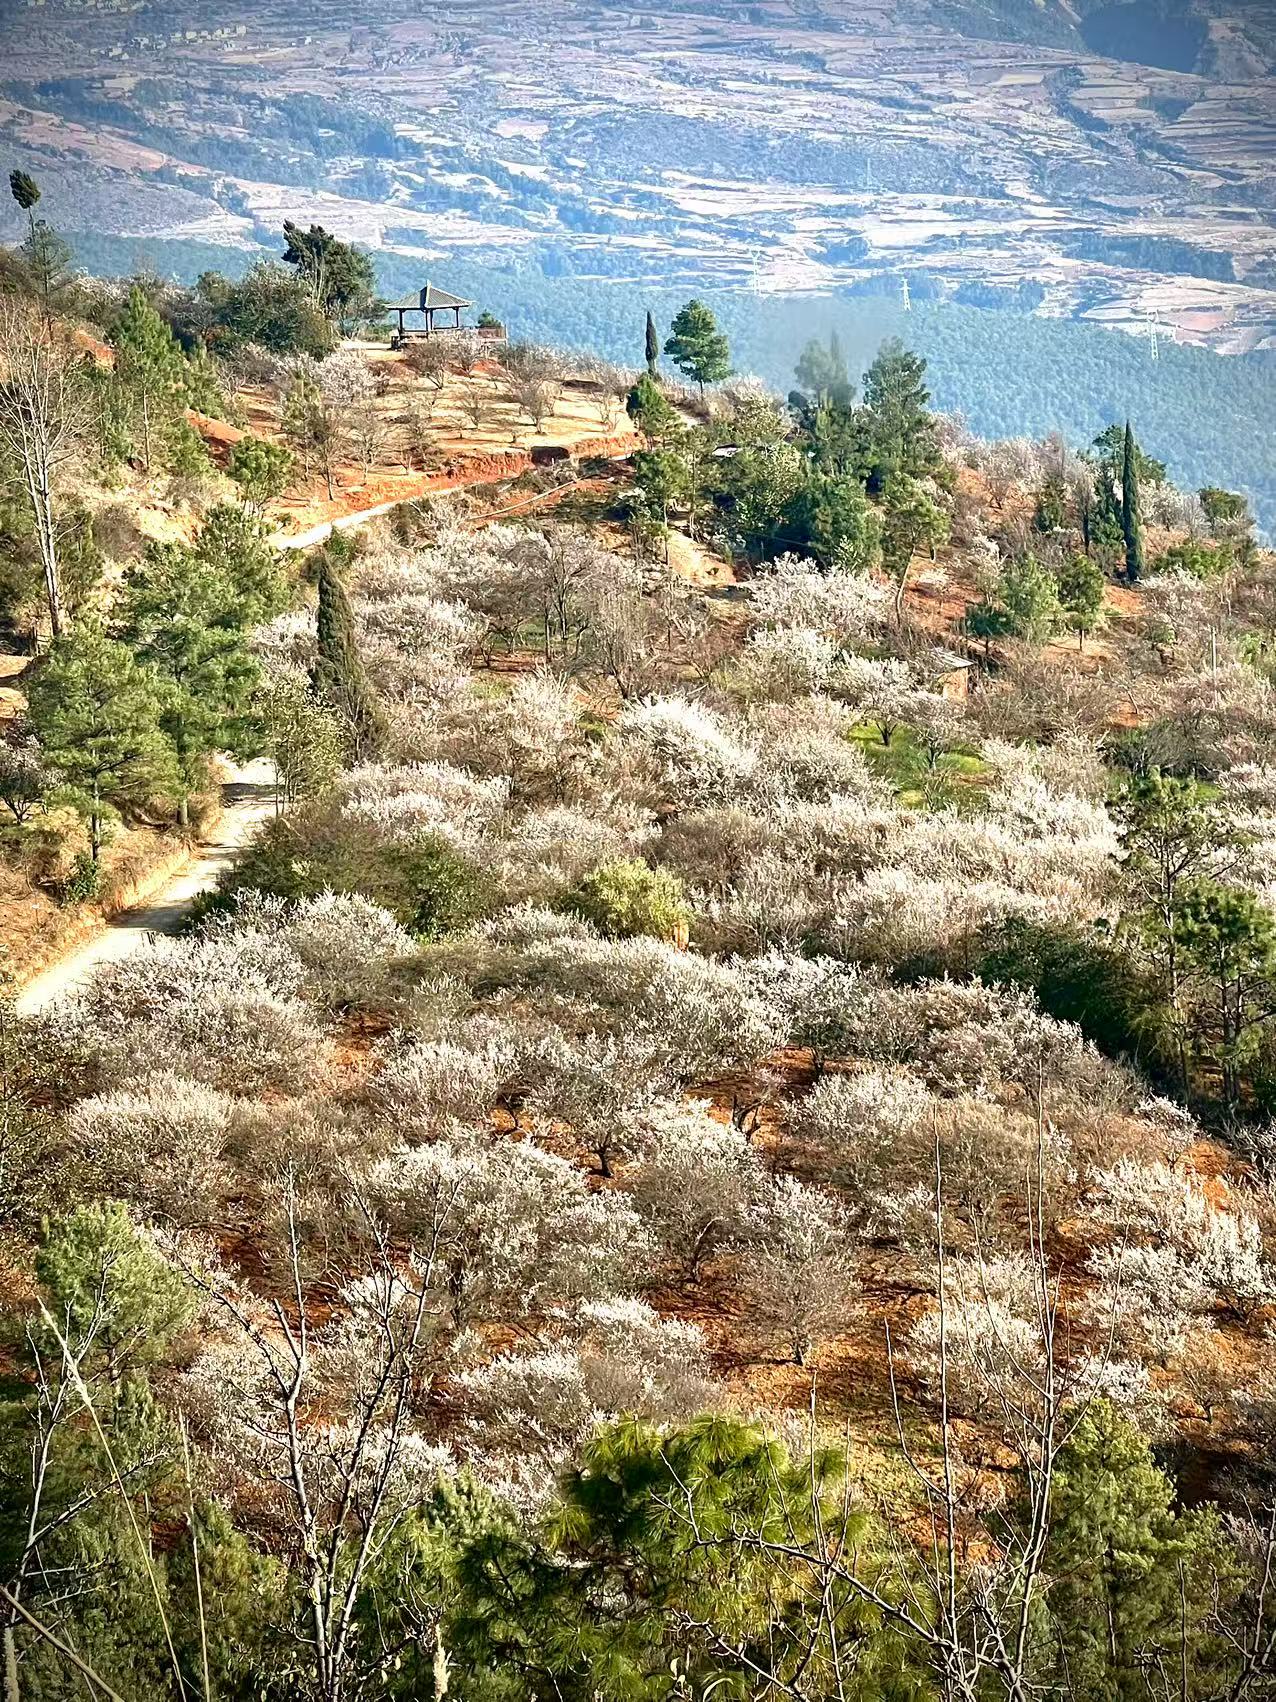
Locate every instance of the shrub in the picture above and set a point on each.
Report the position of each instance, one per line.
(1076, 975)
(426, 885)
(626, 897)
(442, 891)
(156, 1145)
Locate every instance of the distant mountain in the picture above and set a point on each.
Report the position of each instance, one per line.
(1105, 161)
(1110, 162)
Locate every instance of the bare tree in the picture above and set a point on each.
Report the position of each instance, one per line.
(43, 424)
(536, 398)
(608, 409)
(966, 1606)
(478, 404)
(342, 1488)
(367, 432)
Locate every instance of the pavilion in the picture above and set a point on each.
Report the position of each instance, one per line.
(428, 302)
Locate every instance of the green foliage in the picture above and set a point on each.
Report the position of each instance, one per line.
(637, 1556)
(830, 518)
(430, 888)
(101, 1277)
(1133, 1582)
(83, 883)
(1131, 513)
(822, 374)
(652, 346)
(648, 409)
(31, 1131)
(1081, 592)
(338, 677)
(1030, 596)
(1227, 939)
(625, 898)
(912, 521)
(757, 487)
(236, 548)
(185, 616)
(434, 890)
(150, 367)
(697, 347)
(187, 609)
(660, 475)
(261, 469)
(1110, 448)
(269, 306)
(1024, 603)
(986, 621)
(24, 189)
(43, 262)
(1223, 508)
(1078, 975)
(97, 713)
(183, 451)
(304, 739)
(1201, 560)
(901, 428)
(1174, 837)
(1050, 512)
(338, 276)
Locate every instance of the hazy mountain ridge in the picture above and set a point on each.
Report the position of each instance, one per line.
(785, 148)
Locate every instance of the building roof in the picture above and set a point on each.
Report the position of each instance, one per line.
(948, 662)
(428, 298)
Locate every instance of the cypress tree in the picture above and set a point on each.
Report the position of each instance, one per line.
(1131, 519)
(338, 677)
(653, 345)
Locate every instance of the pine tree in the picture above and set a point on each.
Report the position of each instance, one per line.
(26, 192)
(47, 257)
(1081, 587)
(821, 373)
(183, 617)
(648, 409)
(150, 365)
(303, 405)
(1130, 1576)
(901, 426)
(261, 469)
(1131, 517)
(97, 714)
(338, 677)
(697, 347)
(653, 345)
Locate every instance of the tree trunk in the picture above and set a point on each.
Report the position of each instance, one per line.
(11, 1691)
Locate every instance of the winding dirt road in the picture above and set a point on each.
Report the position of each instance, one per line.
(248, 799)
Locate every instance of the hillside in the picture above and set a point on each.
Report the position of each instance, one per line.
(706, 1129)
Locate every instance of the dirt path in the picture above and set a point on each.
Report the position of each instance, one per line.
(248, 800)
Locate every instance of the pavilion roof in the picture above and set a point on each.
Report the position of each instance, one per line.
(427, 298)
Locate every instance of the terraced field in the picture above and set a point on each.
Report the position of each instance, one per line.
(984, 150)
